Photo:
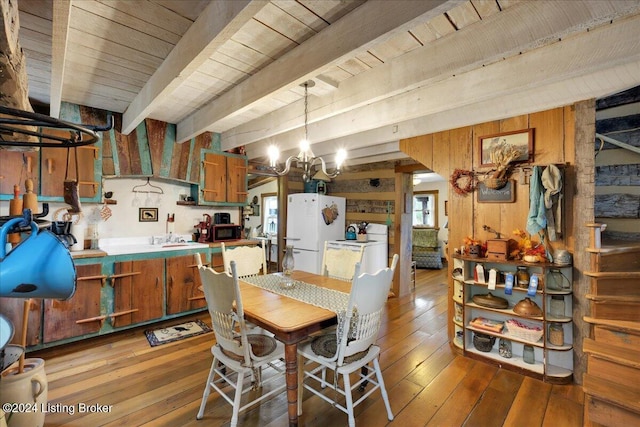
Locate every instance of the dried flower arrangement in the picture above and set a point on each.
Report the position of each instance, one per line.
(528, 249)
(463, 181)
(501, 155)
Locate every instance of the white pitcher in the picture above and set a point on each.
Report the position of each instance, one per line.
(29, 387)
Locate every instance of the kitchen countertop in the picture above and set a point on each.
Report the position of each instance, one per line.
(97, 253)
(241, 242)
(88, 253)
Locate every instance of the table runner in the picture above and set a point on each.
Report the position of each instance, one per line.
(328, 299)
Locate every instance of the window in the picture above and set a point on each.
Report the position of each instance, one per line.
(270, 213)
(425, 208)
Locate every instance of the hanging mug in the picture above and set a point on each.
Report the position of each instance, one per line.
(39, 267)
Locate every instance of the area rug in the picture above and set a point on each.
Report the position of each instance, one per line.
(175, 333)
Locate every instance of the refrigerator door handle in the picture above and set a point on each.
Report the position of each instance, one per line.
(292, 238)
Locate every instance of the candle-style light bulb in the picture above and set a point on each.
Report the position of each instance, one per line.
(273, 153)
(341, 155)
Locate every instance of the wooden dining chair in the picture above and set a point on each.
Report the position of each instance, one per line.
(250, 260)
(351, 349)
(236, 349)
(340, 263)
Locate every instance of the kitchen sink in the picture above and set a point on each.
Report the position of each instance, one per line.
(141, 245)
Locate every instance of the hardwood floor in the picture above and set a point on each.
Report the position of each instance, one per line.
(428, 384)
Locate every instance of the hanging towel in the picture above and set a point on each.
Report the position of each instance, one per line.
(537, 219)
(552, 183)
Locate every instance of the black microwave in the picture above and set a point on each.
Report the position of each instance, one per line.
(225, 232)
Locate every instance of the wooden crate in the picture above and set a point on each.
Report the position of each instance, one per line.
(498, 249)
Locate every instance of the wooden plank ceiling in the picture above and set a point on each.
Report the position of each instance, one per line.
(384, 70)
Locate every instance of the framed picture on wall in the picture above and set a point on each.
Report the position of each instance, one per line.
(148, 215)
(520, 139)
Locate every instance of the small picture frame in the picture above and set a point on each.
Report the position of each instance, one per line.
(521, 139)
(148, 215)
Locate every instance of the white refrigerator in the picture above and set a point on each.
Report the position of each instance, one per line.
(311, 220)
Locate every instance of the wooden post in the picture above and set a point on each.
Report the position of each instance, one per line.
(14, 85)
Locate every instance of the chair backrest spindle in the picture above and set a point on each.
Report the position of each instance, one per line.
(358, 328)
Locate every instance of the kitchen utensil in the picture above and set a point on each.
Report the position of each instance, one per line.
(15, 208)
(562, 257)
(490, 300)
(29, 198)
(351, 233)
(71, 188)
(39, 267)
(527, 308)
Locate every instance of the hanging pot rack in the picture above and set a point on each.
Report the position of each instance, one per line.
(27, 124)
(147, 188)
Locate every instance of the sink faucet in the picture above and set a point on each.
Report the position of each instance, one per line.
(167, 238)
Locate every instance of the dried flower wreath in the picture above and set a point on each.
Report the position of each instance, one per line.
(463, 181)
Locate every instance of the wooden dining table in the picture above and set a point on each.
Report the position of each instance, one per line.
(291, 321)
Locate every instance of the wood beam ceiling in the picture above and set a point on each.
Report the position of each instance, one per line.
(467, 50)
(351, 35)
(582, 68)
(214, 27)
(59, 39)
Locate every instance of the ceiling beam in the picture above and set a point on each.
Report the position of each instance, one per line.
(470, 48)
(217, 23)
(581, 67)
(59, 39)
(353, 34)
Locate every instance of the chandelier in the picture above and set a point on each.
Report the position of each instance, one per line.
(305, 159)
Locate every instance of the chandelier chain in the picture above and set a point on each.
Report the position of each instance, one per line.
(306, 111)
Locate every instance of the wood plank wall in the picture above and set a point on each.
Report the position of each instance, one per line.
(370, 193)
(443, 152)
(150, 150)
(617, 176)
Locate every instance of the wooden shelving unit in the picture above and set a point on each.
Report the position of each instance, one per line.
(553, 363)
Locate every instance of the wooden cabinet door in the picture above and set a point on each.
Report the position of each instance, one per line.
(54, 169)
(80, 314)
(183, 284)
(14, 170)
(13, 309)
(214, 168)
(236, 179)
(138, 291)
